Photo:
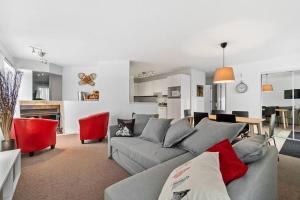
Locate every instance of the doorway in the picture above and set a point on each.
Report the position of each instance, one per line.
(281, 96)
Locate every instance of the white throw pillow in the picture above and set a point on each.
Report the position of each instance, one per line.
(199, 178)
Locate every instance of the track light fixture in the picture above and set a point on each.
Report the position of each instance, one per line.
(41, 53)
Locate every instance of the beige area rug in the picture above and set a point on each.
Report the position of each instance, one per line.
(74, 171)
(71, 171)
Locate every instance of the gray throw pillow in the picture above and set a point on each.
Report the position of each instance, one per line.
(140, 122)
(156, 129)
(251, 149)
(209, 133)
(177, 132)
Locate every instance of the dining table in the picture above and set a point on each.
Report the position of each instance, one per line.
(253, 122)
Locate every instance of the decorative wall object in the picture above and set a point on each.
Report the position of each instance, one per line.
(89, 96)
(199, 90)
(10, 80)
(241, 87)
(87, 79)
(93, 96)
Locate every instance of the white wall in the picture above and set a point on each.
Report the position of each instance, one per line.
(36, 65)
(3, 54)
(55, 69)
(197, 78)
(25, 91)
(251, 100)
(113, 83)
(74, 110)
(31, 65)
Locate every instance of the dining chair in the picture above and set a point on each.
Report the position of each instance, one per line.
(245, 131)
(187, 113)
(270, 135)
(214, 112)
(241, 113)
(263, 111)
(198, 116)
(226, 118)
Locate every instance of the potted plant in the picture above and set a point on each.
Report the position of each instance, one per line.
(10, 80)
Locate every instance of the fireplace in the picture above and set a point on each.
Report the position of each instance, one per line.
(43, 109)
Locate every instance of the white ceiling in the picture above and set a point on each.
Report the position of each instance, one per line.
(160, 34)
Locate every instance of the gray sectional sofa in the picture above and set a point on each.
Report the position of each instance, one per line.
(150, 164)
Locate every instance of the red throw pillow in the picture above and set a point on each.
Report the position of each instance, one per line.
(231, 166)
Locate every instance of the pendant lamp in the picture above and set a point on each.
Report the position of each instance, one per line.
(267, 87)
(224, 74)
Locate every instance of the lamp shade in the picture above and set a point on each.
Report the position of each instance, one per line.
(267, 87)
(224, 75)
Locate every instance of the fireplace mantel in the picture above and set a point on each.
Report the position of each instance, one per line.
(43, 109)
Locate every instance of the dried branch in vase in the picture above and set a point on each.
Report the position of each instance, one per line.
(10, 80)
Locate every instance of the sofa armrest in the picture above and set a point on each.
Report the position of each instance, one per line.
(112, 133)
(112, 130)
(260, 181)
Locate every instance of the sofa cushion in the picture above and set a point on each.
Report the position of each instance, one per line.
(251, 149)
(140, 122)
(156, 129)
(177, 132)
(126, 127)
(230, 165)
(209, 133)
(199, 178)
(146, 185)
(145, 153)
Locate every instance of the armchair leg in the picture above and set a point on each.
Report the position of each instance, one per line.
(31, 154)
(100, 140)
(82, 141)
(52, 146)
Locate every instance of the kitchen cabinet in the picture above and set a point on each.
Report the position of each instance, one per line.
(143, 89)
(149, 88)
(174, 80)
(174, 111)
(176, 106)
(162, 112)
(136, 89)
(156, 86)
(164, 87)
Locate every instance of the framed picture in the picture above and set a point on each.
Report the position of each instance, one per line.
(199, 90)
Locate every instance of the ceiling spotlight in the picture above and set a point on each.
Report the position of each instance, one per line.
(42, 53)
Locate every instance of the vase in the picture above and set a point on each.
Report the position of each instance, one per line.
(7, 145)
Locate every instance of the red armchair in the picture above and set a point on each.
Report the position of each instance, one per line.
(34, 134)
(94, 127)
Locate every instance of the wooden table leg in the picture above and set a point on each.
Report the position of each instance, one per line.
(259, 128)
(251, 129)
(283, 119)
(287, 121)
